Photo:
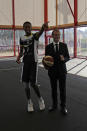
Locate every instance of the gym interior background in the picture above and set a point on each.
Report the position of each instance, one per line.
(70, 16)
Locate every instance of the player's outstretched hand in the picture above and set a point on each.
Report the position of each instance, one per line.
(45, 25)
(18, 60)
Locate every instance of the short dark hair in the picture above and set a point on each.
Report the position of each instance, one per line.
(27, 22)
(55, 29)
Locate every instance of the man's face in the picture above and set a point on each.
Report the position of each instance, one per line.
(27, 29)
(56, 36)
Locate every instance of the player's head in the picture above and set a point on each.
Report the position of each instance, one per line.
(27, 26)
(56, 35)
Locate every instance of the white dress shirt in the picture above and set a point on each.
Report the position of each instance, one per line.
(55, 45)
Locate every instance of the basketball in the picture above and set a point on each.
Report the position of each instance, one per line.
(48, 61)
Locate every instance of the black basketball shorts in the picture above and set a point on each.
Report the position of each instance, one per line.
(29, 73)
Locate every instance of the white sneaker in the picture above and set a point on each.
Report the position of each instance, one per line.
(30, 106)
(41, 104)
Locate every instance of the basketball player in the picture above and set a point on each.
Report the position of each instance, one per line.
(28, 49)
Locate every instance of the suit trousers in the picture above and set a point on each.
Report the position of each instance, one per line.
(62, 89)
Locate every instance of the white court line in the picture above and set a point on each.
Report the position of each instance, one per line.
(7, 69)
(83, 72)
(78, 68)
(7, 59)
(73, 62)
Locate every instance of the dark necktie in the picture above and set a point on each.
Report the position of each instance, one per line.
(56, 48)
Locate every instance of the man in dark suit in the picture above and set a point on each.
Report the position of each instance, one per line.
(60, 54)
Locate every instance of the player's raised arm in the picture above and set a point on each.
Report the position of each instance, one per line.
(44, 27)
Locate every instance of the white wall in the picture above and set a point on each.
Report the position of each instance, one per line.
(82, 10)
(33, 11)
(52, 12)
(29, 10)
(5, 12)
(64, 13)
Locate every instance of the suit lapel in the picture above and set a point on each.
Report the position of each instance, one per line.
(61, 47)
(52, 46)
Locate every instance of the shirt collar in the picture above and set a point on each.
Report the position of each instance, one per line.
(55, 43)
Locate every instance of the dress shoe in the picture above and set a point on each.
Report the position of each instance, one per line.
(64, 111)
(52, 109)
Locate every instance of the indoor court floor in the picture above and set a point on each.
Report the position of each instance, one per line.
(13, 103)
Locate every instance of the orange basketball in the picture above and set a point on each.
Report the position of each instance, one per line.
(48, 61)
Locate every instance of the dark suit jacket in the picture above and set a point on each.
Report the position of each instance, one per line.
(59, 67)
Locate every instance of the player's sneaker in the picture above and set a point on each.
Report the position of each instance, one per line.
(41, 104)
(30, 106)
